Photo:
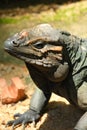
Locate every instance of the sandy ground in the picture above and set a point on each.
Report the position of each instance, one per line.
(59, 115)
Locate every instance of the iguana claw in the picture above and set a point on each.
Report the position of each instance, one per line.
(23, 119)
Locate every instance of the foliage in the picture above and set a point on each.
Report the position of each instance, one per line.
(72, 12)
(63, 17)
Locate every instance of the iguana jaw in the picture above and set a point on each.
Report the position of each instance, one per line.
(46, 57)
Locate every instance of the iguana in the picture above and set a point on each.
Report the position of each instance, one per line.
(57, 62)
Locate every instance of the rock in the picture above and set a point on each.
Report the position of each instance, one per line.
(14, 92)
(2, 82)
(2, 85)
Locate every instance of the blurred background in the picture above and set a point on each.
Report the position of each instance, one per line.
(15, 15)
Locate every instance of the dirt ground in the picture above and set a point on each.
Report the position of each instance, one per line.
(60, 114)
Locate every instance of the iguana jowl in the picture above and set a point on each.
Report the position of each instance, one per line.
(57, 62)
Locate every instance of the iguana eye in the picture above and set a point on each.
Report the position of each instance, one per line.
(39, 45)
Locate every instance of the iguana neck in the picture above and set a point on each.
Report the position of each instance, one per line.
(71, 44)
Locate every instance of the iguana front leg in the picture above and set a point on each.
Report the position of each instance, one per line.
(82, 102)
(38, 102)
(82, 123)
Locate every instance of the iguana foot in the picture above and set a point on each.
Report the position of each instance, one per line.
(82, 123)
(23, 119)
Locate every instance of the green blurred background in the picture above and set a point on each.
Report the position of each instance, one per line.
(15, 15)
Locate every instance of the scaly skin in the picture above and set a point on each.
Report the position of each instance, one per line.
(57, 62)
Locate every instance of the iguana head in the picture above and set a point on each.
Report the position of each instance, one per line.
(37, 45)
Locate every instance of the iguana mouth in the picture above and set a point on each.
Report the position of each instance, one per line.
(28, 58)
